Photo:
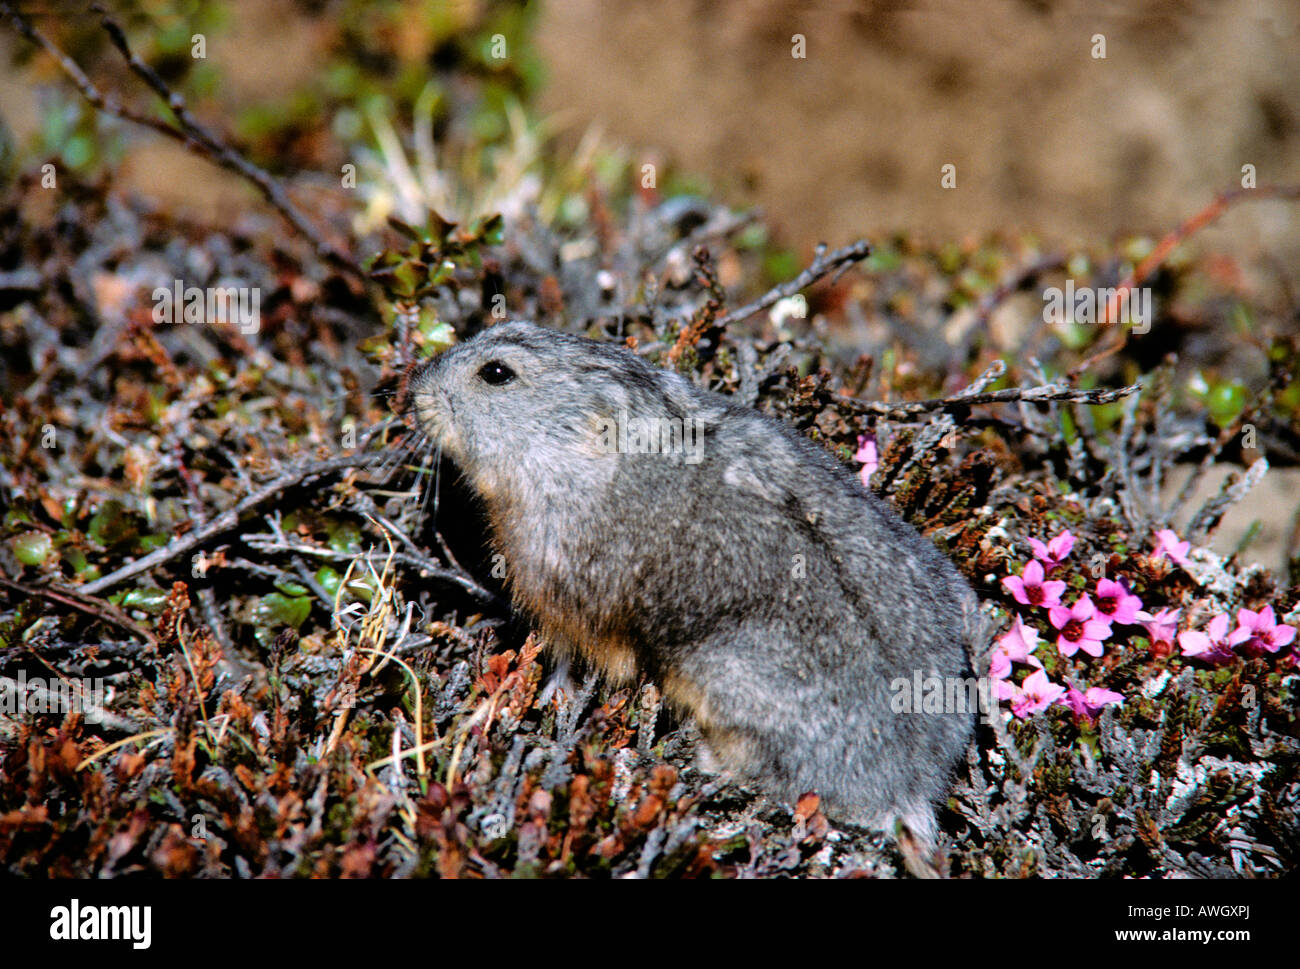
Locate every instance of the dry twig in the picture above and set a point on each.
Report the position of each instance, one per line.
(80, 601)
(225, 521)
(823, 264)
(1161, 252)
(908, 409)
(188, 131)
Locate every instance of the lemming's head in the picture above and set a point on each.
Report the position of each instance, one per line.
(521, 397)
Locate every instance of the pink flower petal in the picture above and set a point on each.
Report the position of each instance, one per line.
(1061, 545)
(999, 665)
(1097, 629)
(1098, 697)
(1109, 588)
(1016, 586)
(1218, 627)
(1091, 646)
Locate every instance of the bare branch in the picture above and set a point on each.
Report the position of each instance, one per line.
(908, 409)
(823, 264)
(227, 520)
(413, 559)
(188, 131)
(78, 600)
(1222, 202)
(989, 376)
(1233, 490)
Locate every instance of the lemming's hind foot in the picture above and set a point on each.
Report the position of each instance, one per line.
(918, 858)
(706, 761)
(712, 776)
(557, 683)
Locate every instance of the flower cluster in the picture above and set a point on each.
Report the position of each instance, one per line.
(1257, 633)
(1084, 625)
(1087, 624)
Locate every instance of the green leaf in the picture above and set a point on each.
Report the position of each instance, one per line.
(150, 542)
(441, 337)
(106, 526)
(1068, 429)
(275, 610)
(402, 227)
(780, 265)
(345, 537)
(1226, 401)
(291, 588)
(33, 548)
(152, 601)
(18, 516)
(405, 276)
(443, 273)
(492, 231)
(329, 579)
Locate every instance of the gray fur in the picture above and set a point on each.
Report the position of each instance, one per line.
(689, 571)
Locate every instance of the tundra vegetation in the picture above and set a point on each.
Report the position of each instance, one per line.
(283, 645)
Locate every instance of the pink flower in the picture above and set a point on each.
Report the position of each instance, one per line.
(1168, 545)
(1162, 627)
(999, 665)
(1259, 632)
(1031, 590)
(869, 455)
(1035, 695)
(1090, 704)
(1210, 646)
(1079, 629)
(1016, 645)
(1054, 552)
(1115, 604)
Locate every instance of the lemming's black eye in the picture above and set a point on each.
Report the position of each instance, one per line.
(495, 372)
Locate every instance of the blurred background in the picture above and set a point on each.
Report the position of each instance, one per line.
(833, 118)
(1044, 136)
(845, 141)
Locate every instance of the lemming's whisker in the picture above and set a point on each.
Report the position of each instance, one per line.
(424, 502)
(401, 452)
(421, 451)
(382, 461)
(437, 477)
(379, 427)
